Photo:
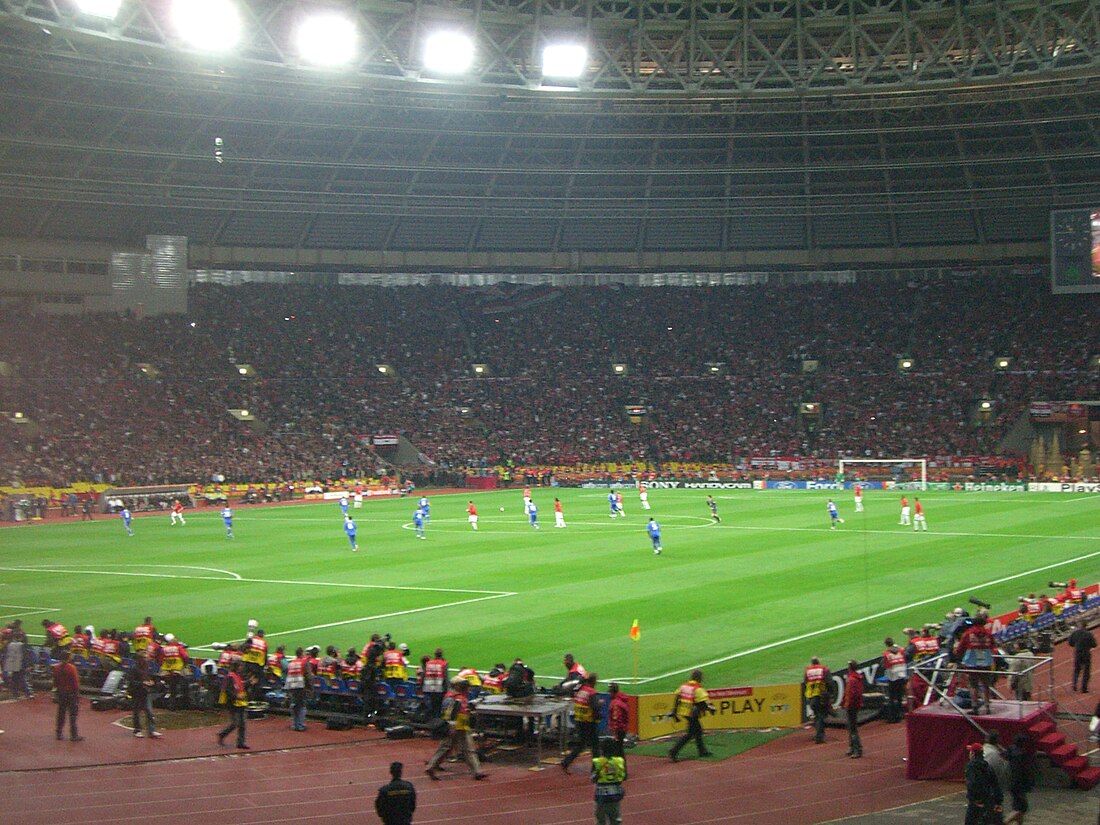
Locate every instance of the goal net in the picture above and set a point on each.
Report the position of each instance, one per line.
(901, 463)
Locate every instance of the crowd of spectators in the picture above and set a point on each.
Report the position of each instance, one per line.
(549, 395)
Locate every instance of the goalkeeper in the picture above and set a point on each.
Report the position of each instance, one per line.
(691, 701)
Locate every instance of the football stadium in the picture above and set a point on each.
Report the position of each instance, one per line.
(630, 411)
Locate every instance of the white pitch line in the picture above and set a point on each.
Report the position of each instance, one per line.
(229, 573)
(853, 622)
(30, 607)
(70, 570)
(25, 613)
(379, 616)
(857, 530)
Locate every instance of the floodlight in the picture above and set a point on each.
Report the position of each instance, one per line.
(985, 405)
(905, 364)
(245, 370)
(148, 370)
(107, 9)
(810, 408)
(619, 369)
(210, 25)
(1002, 362)
(480, 369)
(1082, 432)
(448, 52)
(327, 39)
(384, 369)
(18, 415)
(564, 60)
(715, 367)
(241, 415)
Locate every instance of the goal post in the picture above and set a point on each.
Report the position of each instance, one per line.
(921, 462)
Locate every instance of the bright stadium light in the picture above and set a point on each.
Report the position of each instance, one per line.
(448, 52)
(564, 60)
(327, 40)
(107, 9)
(210, 25)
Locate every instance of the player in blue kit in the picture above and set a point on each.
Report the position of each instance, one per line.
(418, 522)
(126, 517)
(613, 503)
(834, 516)
(533, 514)
(344, 505)
(227, 517)
(350, 528)
(654, 530)
(425, 508)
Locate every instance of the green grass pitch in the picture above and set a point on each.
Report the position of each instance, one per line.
(750, 599)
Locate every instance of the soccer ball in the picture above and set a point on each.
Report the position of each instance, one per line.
(502, 509)
(253, 624)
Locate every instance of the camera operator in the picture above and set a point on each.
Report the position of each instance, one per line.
(954, 624)
(975, 649)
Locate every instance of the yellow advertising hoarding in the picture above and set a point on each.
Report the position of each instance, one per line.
(770, 706)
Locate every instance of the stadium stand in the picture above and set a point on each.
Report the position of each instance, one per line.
(551, 397)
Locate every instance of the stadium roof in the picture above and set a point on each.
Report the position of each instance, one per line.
(720, 134)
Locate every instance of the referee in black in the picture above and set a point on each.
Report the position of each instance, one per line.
(396, 800)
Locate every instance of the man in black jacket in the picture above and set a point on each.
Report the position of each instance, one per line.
(140, 683)
(1082, 641)
(396, 800)
(984, 796)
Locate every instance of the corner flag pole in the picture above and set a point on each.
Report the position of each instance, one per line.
(635, 634)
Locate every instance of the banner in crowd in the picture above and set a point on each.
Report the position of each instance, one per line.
(994, 487)
(771, 706)
(670, 485)
(385, 440)
(1063, 487)
(786, 484)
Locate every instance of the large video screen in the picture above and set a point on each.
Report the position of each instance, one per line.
(1075, 250)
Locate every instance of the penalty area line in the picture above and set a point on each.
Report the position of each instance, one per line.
(237, 578)
(377, 616)
(853, 622)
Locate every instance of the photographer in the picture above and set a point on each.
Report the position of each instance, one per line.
(574, 676)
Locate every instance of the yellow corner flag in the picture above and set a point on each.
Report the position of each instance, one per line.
(635, 631)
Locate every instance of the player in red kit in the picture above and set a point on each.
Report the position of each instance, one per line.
(559, 516)
(177, 513)
(904, 511)
(918, 516)
(471, 513)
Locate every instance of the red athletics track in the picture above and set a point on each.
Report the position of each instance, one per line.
(327, 776)
(294, 777)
